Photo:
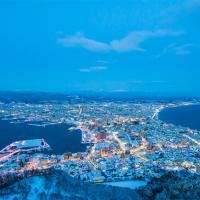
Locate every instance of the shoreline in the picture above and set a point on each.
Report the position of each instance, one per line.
(185, 104)
(168, 106)
(46, 133)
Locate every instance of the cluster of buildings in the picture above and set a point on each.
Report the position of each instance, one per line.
(125, 141)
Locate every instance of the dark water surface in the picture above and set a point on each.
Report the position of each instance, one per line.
(57, 136)
(187, 116)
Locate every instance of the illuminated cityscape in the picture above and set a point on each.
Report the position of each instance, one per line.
(125, 141)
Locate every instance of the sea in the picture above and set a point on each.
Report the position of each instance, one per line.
(186, 116)
(60, 139)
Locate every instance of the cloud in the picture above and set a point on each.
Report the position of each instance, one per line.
(183, 6)
(180, 50)
(183, 49)
(188, 5)
(102, 61)
(93, 69)
(143, 82)
(131, 42)
(80, 40)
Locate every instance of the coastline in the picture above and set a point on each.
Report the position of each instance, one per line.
(169, 106)
(47, 132)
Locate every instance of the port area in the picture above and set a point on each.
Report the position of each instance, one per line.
(25, 146)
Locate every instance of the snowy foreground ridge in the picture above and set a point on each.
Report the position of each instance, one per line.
(59, 186)
(135, 184)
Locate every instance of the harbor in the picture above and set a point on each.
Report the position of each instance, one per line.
(57, 136)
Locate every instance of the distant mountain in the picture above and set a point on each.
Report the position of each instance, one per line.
(87, 96)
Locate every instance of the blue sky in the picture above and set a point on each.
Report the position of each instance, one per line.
(100, 45)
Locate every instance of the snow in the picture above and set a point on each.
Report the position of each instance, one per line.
(30, 143)
(134, 184)
(37, 185)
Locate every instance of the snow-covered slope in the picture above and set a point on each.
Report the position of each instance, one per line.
(58, 186)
